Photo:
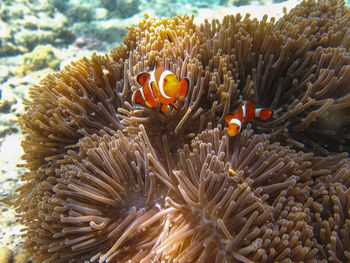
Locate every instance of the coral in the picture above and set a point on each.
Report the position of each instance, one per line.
(123, 9)
(88, 43)
(24, 25)
(112, 181)
(80, 13)
(41, 57)
(6, 255)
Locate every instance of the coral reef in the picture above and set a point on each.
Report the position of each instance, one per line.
(88, 43)
(41, 57)
(119, 8)
(112, 181)
(8, 257)
(27, 24)
(48, 22)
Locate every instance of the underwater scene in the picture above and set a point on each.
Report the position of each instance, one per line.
(174, 131)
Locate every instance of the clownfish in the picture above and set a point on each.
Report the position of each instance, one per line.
(246, 113)
(160, 86)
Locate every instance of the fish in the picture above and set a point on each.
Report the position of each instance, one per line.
(246, 113)
(160, 86)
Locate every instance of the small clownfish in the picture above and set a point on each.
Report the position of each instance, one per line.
(246, 113)
(160, 86)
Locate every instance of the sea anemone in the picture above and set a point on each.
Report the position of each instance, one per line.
(116, 199)
(112, 181)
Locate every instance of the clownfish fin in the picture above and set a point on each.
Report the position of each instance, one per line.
(184, 84)
(149, 105)
(175, 106)
(142, 78)
(137, 97)
(265, 114)
(155, 90)
(228, 118)
(250, 104)
(158, 65)
(163, 108)
(150, 100)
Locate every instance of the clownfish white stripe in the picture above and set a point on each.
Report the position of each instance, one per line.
(152, 77)
(236, 121)
(161, 81)
(244, 111)
(142, 94)
(257, 111)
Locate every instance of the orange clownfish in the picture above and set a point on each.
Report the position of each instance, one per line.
(160, 86)
(246, 113)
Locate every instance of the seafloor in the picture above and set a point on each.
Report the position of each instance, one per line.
(39, 37)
